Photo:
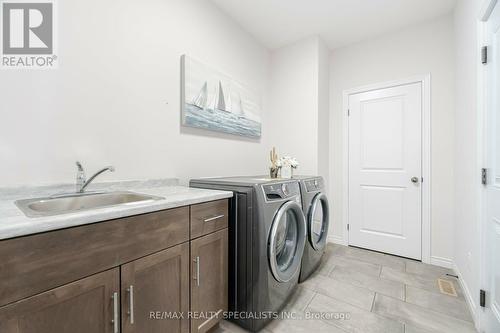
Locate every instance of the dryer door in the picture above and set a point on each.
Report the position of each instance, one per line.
(286, 241)
(318, 221)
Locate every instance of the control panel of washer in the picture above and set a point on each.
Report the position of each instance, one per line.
(281, 190)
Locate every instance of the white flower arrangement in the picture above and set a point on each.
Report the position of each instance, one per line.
(287, 165)
(283, 166)
(287, 161)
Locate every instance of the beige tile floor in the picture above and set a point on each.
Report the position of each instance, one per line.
(380, 293)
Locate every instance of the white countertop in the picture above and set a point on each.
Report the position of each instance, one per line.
(13, 222)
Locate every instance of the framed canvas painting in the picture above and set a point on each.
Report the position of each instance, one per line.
(213, 101)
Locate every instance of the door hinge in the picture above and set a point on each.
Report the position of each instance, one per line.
(482, 298)
(484, 176)
(348, 227)
(484, 55)
(348, 112)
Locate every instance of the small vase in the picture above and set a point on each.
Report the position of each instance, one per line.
(273, 172)
(286, 172)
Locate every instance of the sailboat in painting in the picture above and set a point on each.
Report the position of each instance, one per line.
(200, 100)
(219, 101)
(238, 108)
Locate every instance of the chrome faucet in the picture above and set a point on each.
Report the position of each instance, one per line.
(81, 182)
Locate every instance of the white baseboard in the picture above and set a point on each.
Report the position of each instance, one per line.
(468, 297)
(336, 240)
(443, 262)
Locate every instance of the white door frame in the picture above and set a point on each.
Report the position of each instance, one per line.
(425, 80)
(482, 132)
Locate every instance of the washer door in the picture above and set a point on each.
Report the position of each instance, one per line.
(286, 241)
(318, 221)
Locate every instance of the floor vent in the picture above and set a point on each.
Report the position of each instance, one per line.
(446, 287)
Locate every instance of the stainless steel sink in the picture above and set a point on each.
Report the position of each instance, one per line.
(78, 202)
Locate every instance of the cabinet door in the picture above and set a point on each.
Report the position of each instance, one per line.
(155, 292)
(89, 305)
(208, 280)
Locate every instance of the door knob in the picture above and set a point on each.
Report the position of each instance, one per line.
(414, 180)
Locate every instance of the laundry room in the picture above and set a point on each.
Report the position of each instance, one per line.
(224, 166)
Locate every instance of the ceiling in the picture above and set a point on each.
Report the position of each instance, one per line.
(339, 22)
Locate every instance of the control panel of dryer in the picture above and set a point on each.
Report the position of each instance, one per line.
(280, 191)
(314, 185)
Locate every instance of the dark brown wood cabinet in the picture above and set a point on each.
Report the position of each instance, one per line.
(37, 263)
(130, 275)
(155, 291)
(208, 217)
(84, 306)
(208, 280)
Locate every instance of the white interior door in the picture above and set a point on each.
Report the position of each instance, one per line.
(491, 260)
(385, 170)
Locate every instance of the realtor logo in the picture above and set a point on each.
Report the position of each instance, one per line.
(28, 34)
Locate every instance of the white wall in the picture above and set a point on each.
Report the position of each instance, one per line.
(324, 112)
(418, 50)
(115, 97)
(292, 125)
(298, 103)
(467, 226)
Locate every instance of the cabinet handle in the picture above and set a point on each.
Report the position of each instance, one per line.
(197, 278)
(114, 321)
(213, 218)
(131, 303)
